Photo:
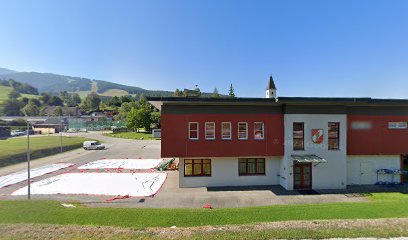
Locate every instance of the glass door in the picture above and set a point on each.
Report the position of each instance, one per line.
(302, 176)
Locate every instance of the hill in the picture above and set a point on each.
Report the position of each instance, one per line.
(4, 92)
(54, 83)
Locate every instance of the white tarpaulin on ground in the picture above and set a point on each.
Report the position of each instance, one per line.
(123, 184)
(123, 163)
(36, 172)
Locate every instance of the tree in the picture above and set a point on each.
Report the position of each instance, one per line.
(57, 111)
(131, 119)
(215, 93)
(55, 101)
(92, 102)
(143, 117)
(35, 101)
(178, 93)
(24, 101)
(65, 97)
(31, 109)
(124, 110)
(231, 92)
(45, 98)
(11, 108)
(155, 118)
(13, 95)
(76, 99)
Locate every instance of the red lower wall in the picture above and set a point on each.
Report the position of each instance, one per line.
(379, 140)
(175, 142)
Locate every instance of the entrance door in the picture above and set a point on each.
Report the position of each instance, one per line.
(302, 176)
(366, 173)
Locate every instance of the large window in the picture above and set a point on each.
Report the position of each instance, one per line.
(334, 136)
(209, 130)
(397, 125)
(298, 136)
(259, 130)
(197, 167)
(251, 166)
(193, 130)
(242, 130)
(226, 130)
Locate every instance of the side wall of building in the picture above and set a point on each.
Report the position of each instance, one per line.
(224, 172)
(175, 141)
(377, 138)
(363, 169)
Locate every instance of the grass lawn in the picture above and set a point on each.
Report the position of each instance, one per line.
(132, 135)
(380, 205)
(13, 150)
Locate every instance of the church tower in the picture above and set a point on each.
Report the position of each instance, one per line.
(271, 89)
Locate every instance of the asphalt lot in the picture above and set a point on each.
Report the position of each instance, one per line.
(170, 195)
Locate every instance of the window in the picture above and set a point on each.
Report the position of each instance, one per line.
(209, 130)
(197, 167)
(298, 136)
(226, 130)
(251, 166)
(259, 130)
(334, 136)
(397, 125)
(193, 130)
(243, 130)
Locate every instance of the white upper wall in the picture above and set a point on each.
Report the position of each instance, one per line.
(330, 175)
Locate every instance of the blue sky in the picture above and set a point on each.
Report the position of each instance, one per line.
(312, 48)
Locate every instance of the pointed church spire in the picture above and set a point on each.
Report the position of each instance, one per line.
(271, 84)
(270, 89)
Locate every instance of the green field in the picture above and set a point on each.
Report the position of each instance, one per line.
(132, 135)
(4, 92)
(13, 150)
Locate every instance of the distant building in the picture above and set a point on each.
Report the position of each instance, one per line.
(67, 111)
(50, 125)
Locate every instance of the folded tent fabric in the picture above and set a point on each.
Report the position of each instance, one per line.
(35, 172)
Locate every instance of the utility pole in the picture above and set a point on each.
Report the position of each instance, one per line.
(28, 161)
(60, 128)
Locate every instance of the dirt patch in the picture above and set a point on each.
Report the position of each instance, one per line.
(285, 225)
(48, 231)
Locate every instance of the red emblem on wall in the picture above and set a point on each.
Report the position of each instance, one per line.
(317, 136)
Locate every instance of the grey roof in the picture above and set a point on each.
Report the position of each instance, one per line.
(271, 84)
(308, 159)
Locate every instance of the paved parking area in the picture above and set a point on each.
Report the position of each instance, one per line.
(170, 195)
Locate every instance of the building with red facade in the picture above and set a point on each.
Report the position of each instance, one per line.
(298, 143)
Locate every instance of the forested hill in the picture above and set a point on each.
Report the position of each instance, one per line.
(54, 83)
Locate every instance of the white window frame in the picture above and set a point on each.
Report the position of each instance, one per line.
(263, 131)
(246, 131)
(230, 131)
(189, 130)
(397, 125)
(205, 129)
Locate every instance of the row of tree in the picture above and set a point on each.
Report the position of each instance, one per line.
(197, 93)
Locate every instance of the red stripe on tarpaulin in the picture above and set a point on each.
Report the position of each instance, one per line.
(31, 179)
(100, 195)
(152, 196)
